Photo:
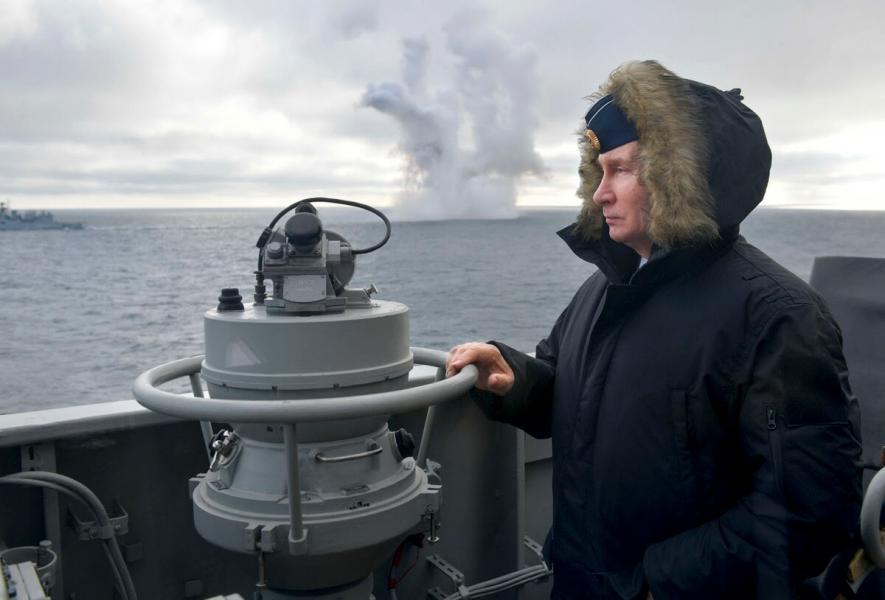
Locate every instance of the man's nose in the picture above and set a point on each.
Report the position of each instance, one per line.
(603, 193)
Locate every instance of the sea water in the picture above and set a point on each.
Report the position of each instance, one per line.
(84, 312)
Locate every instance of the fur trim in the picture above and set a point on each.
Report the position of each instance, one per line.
(672, 156)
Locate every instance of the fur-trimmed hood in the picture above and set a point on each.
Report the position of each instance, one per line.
(703, 157)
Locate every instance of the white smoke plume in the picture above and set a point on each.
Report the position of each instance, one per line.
(467, 144)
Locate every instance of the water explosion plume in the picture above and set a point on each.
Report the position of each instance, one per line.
(492, 98)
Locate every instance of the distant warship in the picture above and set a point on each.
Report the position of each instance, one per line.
(14, 220)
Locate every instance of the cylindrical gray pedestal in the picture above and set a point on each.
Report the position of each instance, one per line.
(253, 355)
(358, 498)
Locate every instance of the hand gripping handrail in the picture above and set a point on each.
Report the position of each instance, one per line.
(870, 511)
(296, 411)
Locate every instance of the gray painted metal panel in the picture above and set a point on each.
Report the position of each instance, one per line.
(251, 349)
(143, 461)
(56, 423)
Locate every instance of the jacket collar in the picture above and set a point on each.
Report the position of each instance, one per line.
(619, 262)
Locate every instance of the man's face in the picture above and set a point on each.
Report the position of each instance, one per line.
(623, 198)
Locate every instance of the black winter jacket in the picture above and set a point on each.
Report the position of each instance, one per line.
(705, 438)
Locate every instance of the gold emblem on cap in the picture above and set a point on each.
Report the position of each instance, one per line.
(594, 140)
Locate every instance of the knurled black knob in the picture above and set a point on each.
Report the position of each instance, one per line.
(230, 299)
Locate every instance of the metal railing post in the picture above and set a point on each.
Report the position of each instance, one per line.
(205, 426)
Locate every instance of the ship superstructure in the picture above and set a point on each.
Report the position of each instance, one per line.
(28, 220)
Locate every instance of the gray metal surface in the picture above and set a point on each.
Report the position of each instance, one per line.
(324, 513)
(479, 532)
(344, 506)
(145, 468)
(250, 349)
(854, 288)
(22, 428)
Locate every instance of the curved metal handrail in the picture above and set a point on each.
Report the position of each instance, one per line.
(870, 511)
(296, 411)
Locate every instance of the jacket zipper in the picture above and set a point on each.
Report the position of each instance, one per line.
(774, 443)
(772, 421)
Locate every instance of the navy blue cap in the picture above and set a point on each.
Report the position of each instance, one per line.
(607, 126)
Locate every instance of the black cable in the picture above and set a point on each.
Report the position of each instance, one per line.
(268, 231)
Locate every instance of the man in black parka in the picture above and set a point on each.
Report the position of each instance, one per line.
(705, 438)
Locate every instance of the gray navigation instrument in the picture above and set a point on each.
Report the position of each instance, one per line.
(306, 475)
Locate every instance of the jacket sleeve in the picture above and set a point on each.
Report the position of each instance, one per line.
(799, 439)
(529, 403)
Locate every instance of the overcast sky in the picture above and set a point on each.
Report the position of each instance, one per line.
(450, 108)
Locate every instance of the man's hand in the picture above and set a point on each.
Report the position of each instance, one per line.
(495, 375)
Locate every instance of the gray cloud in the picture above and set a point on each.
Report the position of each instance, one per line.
(358, 17)
(217, 96)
